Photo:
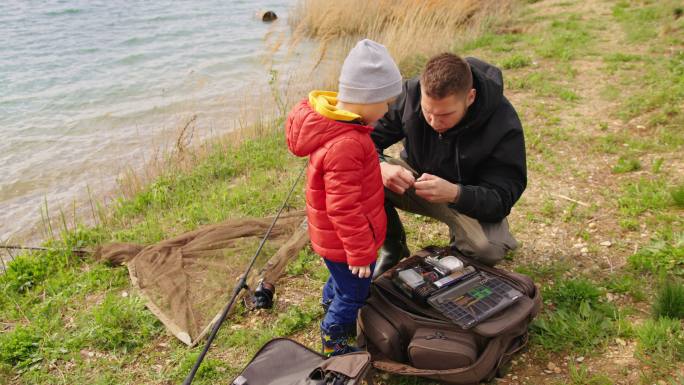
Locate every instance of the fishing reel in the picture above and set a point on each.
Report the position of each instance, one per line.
(262, 297)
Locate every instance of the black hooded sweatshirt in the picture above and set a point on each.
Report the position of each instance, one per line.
(484, 152)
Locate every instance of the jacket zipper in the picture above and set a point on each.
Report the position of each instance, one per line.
(458, 160)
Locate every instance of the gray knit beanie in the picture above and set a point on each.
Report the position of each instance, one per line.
(369, 75)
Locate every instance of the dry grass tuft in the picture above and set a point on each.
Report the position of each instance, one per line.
(411, 30)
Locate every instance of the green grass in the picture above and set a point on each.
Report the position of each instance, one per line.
(641, 22)
(118, 324)
(655, 77)
(212, 369)
(542, 84)
(20, 346)
(627, 283)
(565, 39)
(661, 257)
(24, 273)
(571, 294)
(309, 263)
(661, 340)
(669, 301)
(646, 195)
(505, 42)
(580, 375)
(626, 165)
(262, 168)
(578, 319)
(677, 194)
(544, 271)
(656, 167)
(516, 61)
(584, 331)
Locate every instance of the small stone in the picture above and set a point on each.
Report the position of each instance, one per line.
(605, 243)
(163, 345)
(514, 378)
(584, 250)
(579, 359)
(621, 342)
(551, 366)
(547, 371)
(124, 294)
(661, 382)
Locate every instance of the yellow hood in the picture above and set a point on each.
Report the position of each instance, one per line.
(324, 102)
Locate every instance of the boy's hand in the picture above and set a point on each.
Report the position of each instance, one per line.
(361, 271)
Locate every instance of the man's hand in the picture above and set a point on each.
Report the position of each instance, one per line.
(435, 189)
(361, 271)
(396, 178)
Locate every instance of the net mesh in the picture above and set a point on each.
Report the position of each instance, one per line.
(187, 280)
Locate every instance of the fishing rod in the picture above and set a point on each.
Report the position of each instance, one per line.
(35, 248)
(242, 284)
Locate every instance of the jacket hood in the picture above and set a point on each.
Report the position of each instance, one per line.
(316, 120)
(488, 84)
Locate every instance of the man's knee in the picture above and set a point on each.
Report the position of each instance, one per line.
(487, 252)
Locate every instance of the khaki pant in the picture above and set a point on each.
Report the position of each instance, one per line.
(483, 241)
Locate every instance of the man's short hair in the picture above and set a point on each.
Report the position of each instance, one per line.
(446, 74)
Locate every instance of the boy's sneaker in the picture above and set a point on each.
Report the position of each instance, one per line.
(338, 340)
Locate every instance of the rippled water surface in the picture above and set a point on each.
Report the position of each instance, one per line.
(90, 87)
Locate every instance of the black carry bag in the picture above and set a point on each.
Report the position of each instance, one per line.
(282, 361)
(407, 337)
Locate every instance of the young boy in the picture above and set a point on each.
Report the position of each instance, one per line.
(344, 191)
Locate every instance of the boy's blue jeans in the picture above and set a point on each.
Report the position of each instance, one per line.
(345, 293)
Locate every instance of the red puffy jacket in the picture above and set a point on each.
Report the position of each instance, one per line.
(344, 191)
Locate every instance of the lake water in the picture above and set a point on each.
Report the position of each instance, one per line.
(88, 88)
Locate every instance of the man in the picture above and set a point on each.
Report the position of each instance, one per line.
(463, 161)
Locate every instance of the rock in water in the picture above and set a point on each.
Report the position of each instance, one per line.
(267, 16)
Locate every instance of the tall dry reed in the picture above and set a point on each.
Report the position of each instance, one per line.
(411, 30)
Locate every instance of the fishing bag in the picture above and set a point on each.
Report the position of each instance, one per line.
(407, 338)
(282, 361)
